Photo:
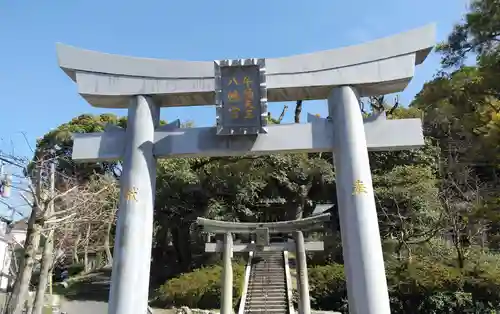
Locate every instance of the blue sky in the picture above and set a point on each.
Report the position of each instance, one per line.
(37, 96)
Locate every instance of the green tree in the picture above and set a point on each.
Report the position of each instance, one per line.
(60, 141)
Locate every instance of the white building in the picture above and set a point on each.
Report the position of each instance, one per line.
(12, 237)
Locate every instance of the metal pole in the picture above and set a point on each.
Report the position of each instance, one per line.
(302, 278)
(134, 230)
(362, 247)
(227, 276)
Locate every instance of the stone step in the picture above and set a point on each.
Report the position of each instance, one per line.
(254, 302)
(267, 275)
(255, 290)
(261, 311)
(263, 292)
(261, 303)
(266, 284)
(274, 297)
(267, 306)
(276, 291)
(264, 305)
(264, 300)
(266, 293)
(275, 270)
(267, 280)
(285, 311)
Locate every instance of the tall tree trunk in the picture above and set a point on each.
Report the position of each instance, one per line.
(301, 204)
(75, 248)
(298, 111)
(181, 241)
(107, 247)
(21, 285)
(86, 251)
(45, 267)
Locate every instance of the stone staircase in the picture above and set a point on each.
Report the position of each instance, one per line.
(267, 290)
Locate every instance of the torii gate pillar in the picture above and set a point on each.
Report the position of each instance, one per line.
(135, 219)
(361, 244)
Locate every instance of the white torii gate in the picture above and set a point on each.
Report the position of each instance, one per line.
(263, 230)
(341, 75)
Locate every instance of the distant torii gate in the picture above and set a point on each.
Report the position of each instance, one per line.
(240, 89)
(262, 230)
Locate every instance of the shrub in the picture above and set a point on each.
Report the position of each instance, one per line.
(422, 286)
(200, 288)
(75, 269)
(327, 287)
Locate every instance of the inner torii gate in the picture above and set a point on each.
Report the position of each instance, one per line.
(262, 230)
(240, 89)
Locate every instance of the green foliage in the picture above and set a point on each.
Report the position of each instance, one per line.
(75, 269)
(200, 288)
(327, 287)
(478, 33)
(408, 202)
(422, 286)
(60, 141)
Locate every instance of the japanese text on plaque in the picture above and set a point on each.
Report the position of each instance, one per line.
(234, 98)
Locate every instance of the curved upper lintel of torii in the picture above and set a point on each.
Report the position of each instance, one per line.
(217, 226)
(378, 67)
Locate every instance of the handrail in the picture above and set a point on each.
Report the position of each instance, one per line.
(246, 282)
(289, 287)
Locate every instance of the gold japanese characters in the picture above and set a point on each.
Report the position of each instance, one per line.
(131, 194)
(233, 96)
(359, 188)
